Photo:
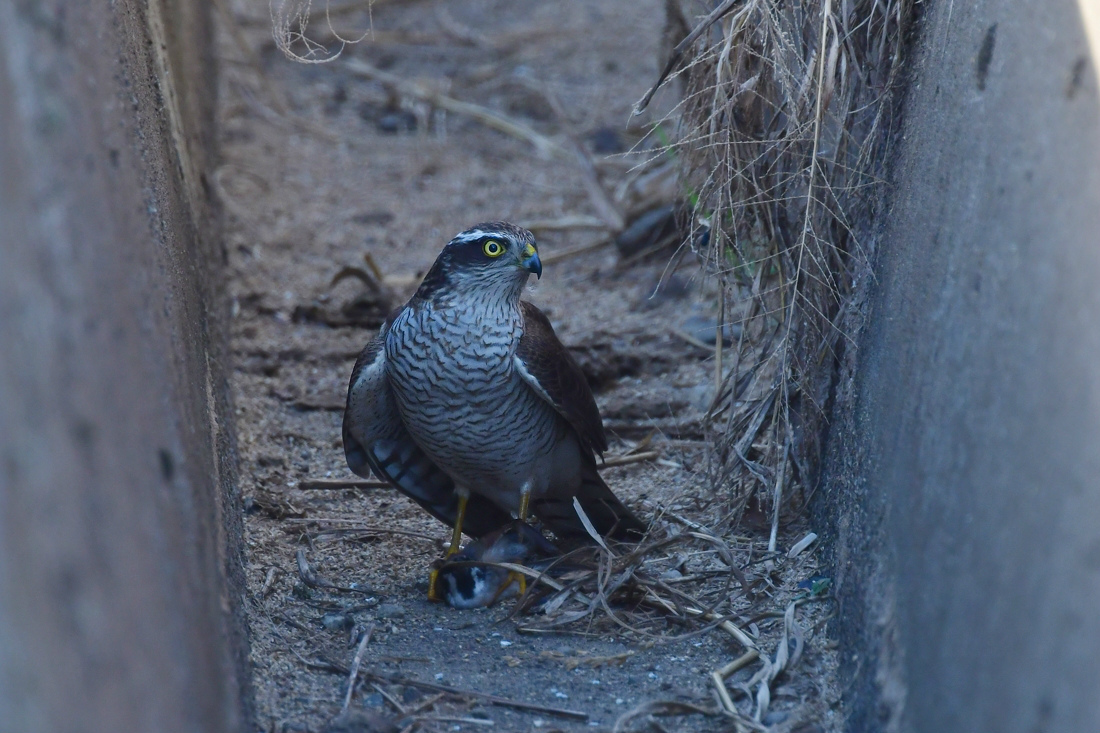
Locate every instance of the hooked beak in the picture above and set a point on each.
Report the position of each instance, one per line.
(531, 262)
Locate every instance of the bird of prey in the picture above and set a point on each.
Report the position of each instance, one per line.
(467, 402)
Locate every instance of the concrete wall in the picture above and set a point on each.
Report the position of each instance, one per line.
(964, 469)
(120, 572)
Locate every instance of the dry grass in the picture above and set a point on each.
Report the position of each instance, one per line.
(785, 121)
(686, 582)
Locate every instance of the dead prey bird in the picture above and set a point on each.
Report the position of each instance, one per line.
(470, 579)
(467, 402)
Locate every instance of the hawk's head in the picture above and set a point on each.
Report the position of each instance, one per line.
(494, 257)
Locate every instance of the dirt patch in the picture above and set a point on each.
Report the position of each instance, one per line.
(322, 167)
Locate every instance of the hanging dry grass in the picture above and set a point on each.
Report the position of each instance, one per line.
(786, 116)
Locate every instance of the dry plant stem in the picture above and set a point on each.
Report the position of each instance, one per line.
(719, 338)
(628, 459)
(778, 499)
(453, 719)
(678, 52)
(494, 699)
(307, 574)
(663, 707)
(576, 221)
(269, 579)
(356, 662)
(389, 698)
(785, 190)
(322, 484)
(605, 206)
(689, 339)
(544, 146)
(718, 677)
(325, 525)
(598, 243)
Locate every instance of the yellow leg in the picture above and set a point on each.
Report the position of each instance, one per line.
(522, 582)
(524, 506)
(456, 535)
(513, 577)
(456, 543)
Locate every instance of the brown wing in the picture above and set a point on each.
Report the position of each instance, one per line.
(546, 365)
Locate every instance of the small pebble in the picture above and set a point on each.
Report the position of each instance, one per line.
(390, 610)
(336, 621)
(773, 717)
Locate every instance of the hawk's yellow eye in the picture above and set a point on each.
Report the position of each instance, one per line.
(493, 248)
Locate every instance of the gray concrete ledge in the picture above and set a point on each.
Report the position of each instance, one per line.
(120, 566)
(964, 461)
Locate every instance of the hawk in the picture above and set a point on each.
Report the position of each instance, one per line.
(467, 402)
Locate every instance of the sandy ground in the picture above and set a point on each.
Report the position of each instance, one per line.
(320, 167)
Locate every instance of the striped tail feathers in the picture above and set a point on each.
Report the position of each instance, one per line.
(608, 515)
(406, 466)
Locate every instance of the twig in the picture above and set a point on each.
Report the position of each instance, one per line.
(365, 528)
(544, 145)
(493, 699)
(801, 545)
(322, 484)
(685, 521)
(450, 719)
(605, 206)
(628, 459)
(576, 221)
(269, 579)
(595, 244)
(719, 676)
(355, 664)
(719, 342)
(390, 698)
(688, 338)
(589, 528)
(428, 702)
(315, 484)
(778, 500)
(663, 707)
(307, 574)
(678, 52)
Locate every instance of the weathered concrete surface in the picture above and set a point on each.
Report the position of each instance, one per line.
(964, 469)
(119, 562)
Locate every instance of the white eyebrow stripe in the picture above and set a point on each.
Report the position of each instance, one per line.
(475, 234)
